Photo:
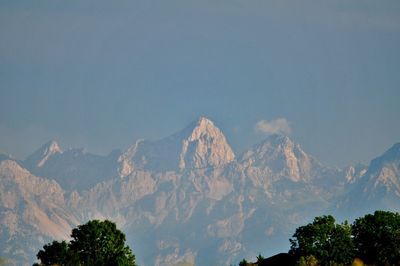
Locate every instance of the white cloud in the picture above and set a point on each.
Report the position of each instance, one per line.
(276, 126)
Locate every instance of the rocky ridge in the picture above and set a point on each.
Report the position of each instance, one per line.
(184, 199)
(200, 145)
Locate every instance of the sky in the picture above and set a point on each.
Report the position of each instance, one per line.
(102, 74)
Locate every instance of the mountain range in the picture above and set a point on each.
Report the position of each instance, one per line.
(187, 199)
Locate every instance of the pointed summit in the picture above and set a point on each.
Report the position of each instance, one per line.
(379, 187)
(206, 146)
(204, 121)
(199, 145)
(39, 157)
(282, 156)
(196, 128)
(383, 173)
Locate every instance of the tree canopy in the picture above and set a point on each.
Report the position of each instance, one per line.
(327, 241)
(373, 239)
(377, 238)
(94, 243)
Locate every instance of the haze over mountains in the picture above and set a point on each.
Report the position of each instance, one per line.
(187, 198)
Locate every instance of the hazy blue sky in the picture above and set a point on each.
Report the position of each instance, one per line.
(101, 74)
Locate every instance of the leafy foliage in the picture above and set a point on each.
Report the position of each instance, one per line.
(327, 241)
(54, 253)
(243, 263)
(373, 239)
(307, 261)
(260, 258)
(94, 243)
(377, 238)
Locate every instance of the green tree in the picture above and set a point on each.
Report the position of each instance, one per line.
(377, 238)
(327, 241)
(307, 261)
(55, 253)
(94, 243)
(260, 259)
(243, 263)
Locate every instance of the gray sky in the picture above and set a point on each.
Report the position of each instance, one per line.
(101, 74)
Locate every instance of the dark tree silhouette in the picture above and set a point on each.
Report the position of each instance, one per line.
(54, 253)
(327, 241)
(377, 238)
(94, 243)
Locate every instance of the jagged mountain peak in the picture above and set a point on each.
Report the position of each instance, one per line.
(275, 145)
(277, 140)
(39, 157)
(205, 146)
(379, 186)
(51, 147)
(384, 171)
(201, 126)
(199, 145)
(392, 155)
(204, 121)
(204, 126)
(282, 156)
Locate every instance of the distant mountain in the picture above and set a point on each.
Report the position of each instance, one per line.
(383, 175)
(73, 169)
(379, 185)
(185, 198)
(282, 158)
(200, 145)
(44, 153)
(32, 210)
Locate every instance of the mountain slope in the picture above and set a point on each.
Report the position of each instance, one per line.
(44, 153)
(73, 169)
(33, 210)
(185, 198)
(200, 145)
(379, 186)
(282, 157)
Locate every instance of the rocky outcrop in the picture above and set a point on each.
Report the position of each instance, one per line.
(73, 169)
(379, 186)
(32, 211)
(40, 157)
(184, 198)
(282, 158)
(200, 145)
(205, 147)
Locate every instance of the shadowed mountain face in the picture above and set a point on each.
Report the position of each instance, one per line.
(186, 198)
(378, 187)
(73, 169)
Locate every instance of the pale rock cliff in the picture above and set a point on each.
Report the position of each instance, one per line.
(42, 155)
(185, 199)
(200, 145)
(31, 208)
(281, 157)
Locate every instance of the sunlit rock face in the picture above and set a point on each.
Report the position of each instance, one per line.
(282, 157)
(44, 153)
(384, 171)
(185, 199)
(33, 210)
(377, 186)
(205, 147)
(200, 145)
